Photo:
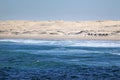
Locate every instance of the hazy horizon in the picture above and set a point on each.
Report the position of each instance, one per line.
(68, 10)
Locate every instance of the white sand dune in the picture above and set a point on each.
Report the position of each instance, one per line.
(101, 30)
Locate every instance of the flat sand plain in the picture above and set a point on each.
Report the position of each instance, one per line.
(58, 29)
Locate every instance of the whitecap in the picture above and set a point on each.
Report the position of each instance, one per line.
(115, 53)
(67, 43)
(96, 44)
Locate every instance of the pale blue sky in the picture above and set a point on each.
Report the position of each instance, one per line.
(59, 9)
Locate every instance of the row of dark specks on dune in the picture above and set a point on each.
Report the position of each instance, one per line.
(58, 32)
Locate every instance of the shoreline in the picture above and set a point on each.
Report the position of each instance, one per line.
(59, 39)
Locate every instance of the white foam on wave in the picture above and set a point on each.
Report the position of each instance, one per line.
(115, 53)
(70, 43)
(27, 41)
(30, 41)
(97, 43)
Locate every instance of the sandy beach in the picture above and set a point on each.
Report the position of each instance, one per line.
(91, 30)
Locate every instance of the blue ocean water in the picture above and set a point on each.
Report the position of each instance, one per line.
(30, 59)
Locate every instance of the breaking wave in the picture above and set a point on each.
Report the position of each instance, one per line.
(72, 43)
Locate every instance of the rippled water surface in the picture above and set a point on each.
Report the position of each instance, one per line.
(59, 59)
